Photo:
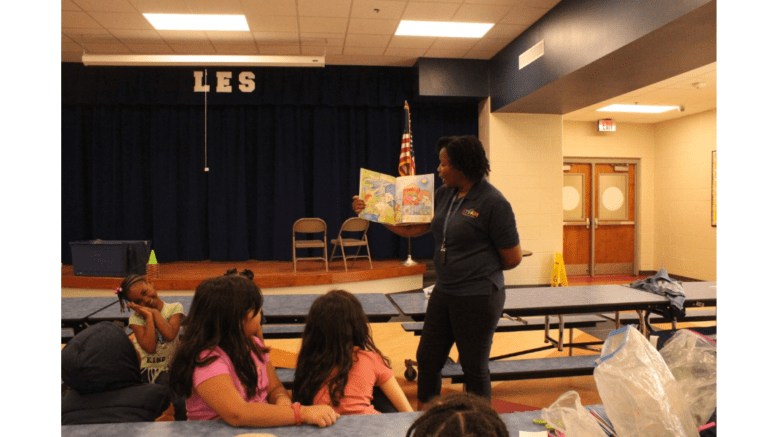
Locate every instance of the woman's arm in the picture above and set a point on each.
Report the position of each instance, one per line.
(395, 394)
(221, 395)
(413, 230)
(511, 257)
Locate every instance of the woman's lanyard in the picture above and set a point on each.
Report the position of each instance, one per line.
(445, 226)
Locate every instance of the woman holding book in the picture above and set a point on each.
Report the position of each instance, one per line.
(475, 239)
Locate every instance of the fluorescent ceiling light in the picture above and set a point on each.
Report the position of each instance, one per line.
(645, 109)
(443, 28)
(197, 22)
(182, 60)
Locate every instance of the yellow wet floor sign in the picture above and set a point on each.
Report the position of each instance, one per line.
(559, 275)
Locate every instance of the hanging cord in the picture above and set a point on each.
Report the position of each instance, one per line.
(206, 122)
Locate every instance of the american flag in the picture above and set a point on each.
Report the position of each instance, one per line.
(407, 155)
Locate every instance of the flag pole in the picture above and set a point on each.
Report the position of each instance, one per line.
(409, 261)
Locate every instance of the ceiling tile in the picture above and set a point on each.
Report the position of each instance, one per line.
(274, 37)
(270, 7)
(480, 54)
(371, 51)
(443, 53)
(138, 36)
(410, 42)
(480, 13)
(108, 48)
(234, 37)
(161, 7)
(74, 20)
(523, 15)
(388, 10)
(68, 5)
(193, 49)
(376, 27)
(506, 31)
(279, 50)
(322, 25)
(120, 20)
(284, 23)
(215, 7)
(105, 5)
(415, 53)
(454, 43)
(79, 35)
(427, 11)
(183, 36)
(151, 49)
(362, 40)
(330, 8)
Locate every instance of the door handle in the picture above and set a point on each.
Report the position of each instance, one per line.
(596, 223)
(587, 223)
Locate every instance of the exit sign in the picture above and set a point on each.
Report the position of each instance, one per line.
(607, 125)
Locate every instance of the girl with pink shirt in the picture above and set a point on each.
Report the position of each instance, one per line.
(338, 361)
(222, 367)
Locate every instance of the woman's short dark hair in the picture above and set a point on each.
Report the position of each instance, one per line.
(466, 154)
(459, 415)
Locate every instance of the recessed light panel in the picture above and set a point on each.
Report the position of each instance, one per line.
(644, 109)
(443, 29)
(197, 22)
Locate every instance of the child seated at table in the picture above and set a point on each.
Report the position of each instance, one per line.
(458, 415)
(155, 325)
(338, 362)
(222, 368)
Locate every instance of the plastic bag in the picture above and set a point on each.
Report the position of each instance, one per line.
(639, 393)
(569, 416)
(692, 359)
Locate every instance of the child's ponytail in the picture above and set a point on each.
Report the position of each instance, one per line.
(123, 289)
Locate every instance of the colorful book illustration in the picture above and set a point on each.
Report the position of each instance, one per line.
(396, 200)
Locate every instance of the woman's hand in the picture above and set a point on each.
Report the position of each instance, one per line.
(357, 205)
(320, 415)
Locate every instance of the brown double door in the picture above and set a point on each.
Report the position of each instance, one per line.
(599, 200)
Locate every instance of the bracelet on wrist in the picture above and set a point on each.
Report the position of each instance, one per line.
(296, 407)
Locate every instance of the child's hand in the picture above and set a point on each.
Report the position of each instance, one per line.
(320, 415)
(140, 310)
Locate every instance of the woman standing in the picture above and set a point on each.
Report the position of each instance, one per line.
(475, 239)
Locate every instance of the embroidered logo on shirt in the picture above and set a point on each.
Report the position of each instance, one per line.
(470, 213)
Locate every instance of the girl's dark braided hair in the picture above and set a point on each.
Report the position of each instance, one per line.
(459, 415)
(128, 282)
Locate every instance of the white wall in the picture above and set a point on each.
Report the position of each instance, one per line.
(686, 241)
(526, 154)
(526, 166)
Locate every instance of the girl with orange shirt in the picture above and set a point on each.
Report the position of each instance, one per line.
(338, 363)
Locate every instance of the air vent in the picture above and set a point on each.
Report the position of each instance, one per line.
(531, 55)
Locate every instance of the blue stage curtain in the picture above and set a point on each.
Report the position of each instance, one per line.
(133, 157)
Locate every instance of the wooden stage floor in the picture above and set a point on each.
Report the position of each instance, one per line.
(267, 274)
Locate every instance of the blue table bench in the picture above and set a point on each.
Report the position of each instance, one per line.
(529, 369)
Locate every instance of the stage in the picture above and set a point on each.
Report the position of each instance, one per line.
(273, 277)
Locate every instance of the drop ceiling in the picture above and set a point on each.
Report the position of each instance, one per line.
(347, 32)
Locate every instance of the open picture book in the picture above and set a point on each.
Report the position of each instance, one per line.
(396, 200)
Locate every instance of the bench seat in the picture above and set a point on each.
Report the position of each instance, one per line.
(282, 331)
(529, 369)
(691, 315)
(526, 324)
